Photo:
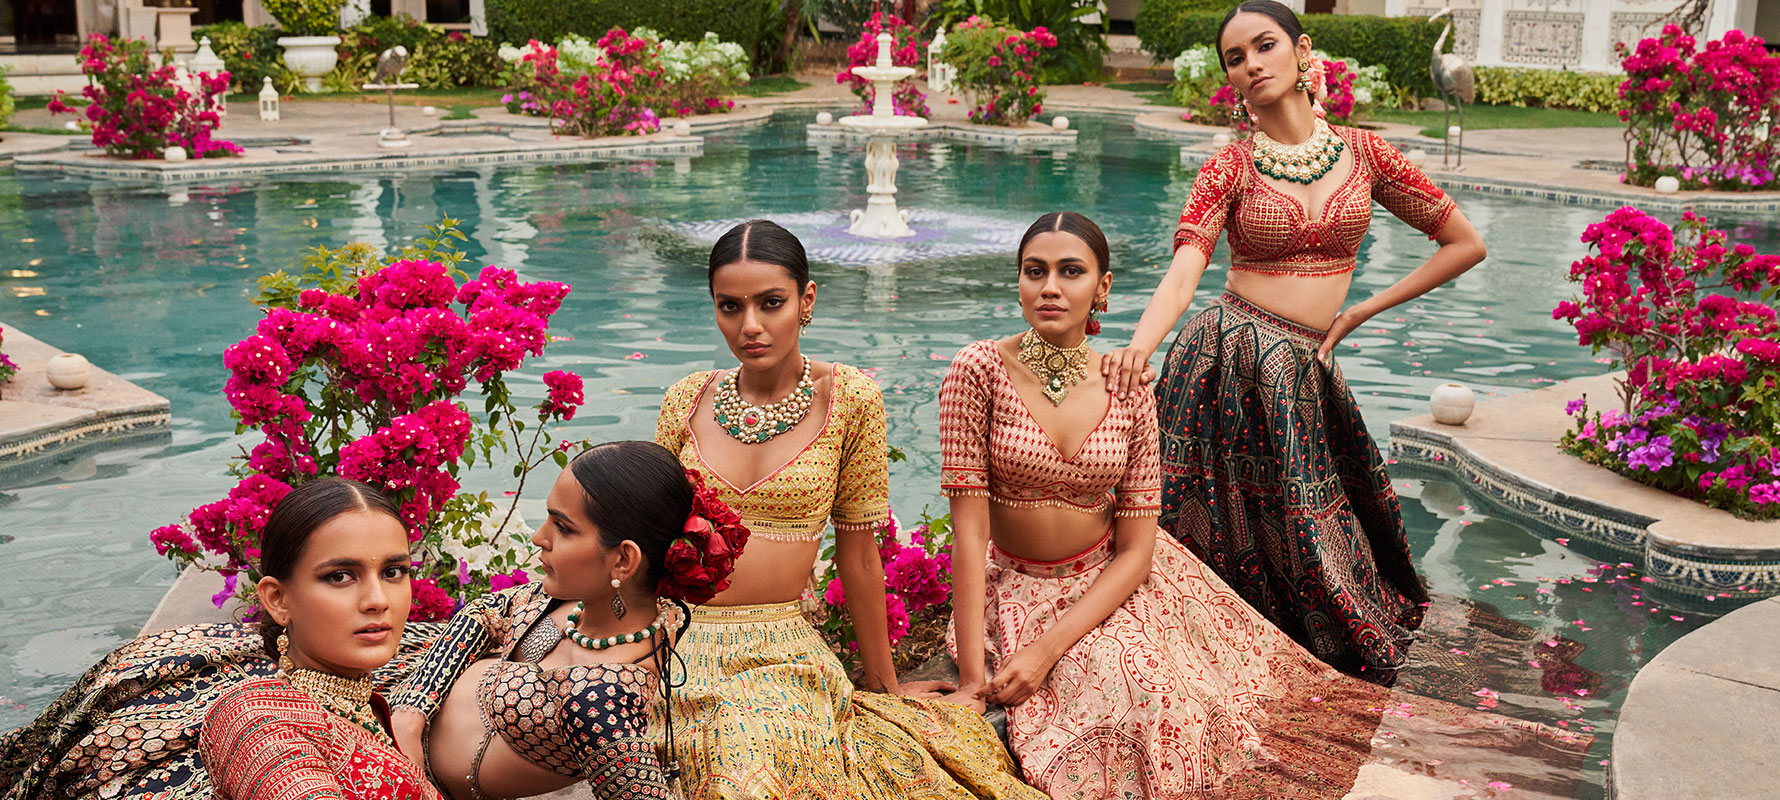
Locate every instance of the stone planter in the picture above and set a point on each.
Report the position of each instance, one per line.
(1451, 403)
(310, 57)
(68, 371)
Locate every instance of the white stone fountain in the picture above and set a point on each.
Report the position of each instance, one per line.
(881, 219)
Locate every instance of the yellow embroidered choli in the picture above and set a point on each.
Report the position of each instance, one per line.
(843, 474)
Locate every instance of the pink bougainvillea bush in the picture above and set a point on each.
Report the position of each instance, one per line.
(357, 369)
(917, 594)
(1709, 117)
(609, 97)
(136, 110)
(908, 99)
(1691, 319)
(999, 66)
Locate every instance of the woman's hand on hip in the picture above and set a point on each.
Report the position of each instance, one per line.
(1127, 370)
(1344, 324)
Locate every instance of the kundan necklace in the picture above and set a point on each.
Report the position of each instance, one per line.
(1304, 162)
(1059, 368)
(752, 424)
(612, 641)
(348, 698)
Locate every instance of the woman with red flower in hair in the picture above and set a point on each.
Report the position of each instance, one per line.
(545, 684)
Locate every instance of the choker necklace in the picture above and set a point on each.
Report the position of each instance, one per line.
(1304, 162)
(347, 698)
(661, 607)
(1057, 367)
(752, 424)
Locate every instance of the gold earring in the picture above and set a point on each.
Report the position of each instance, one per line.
(1303, 84)
(803, 323)
(618, 609)
(284, 662)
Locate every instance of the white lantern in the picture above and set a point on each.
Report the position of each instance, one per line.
(939, 73)
(206, 62)
(268, 102)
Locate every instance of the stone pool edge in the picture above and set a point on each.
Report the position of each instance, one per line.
(1507, 453)
(1699, 720)
(39, 425)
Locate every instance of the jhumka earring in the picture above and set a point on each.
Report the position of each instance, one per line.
(284, 662)
(1303, 84)
(618, 609)
(803, 323)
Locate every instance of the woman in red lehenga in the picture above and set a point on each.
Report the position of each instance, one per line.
(1268, 472)
(1129, 668)
(336, 595)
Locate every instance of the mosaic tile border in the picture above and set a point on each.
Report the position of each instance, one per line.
(51, 463)
(86, 167)
(952, 132)
(1714, 204)
(1681, 570)
(96, 424)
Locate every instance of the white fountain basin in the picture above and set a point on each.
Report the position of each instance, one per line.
(872, 122)
(876, 73)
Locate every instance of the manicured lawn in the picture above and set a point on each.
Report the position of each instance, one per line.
(1495, 117)
(1151, 92)
(471, 97)
(769, 85)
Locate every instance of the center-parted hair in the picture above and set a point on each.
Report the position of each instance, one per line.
(1280, 13)
(763, 241)
(1075, 225)
(296, 517)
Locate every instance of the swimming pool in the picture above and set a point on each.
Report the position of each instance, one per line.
(153, 283)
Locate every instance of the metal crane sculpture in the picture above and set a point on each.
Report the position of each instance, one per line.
(387, 79)
(1457, 85)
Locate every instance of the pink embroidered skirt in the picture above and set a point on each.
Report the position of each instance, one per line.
(1186, 691)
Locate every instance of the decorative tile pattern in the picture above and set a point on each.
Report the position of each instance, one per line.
(1631, 26)
(1466, 22)
(938, 234)
(1542, 37)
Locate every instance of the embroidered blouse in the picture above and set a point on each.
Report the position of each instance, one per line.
(843, 474)
(1270, 231)
(268, 740)
(587, 722)
(991, 446)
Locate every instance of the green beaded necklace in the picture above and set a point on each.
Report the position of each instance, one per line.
(607, 641)
(1304, 162)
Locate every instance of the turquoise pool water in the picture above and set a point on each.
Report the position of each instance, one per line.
(153, 284)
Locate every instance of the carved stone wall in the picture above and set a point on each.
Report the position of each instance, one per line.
(1631, 26)
(1542, 37)
(1465, 25)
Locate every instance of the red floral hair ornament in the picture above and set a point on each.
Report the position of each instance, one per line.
(699, 563)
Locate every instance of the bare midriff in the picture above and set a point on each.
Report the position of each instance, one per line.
(1046, 533)
(769, 572)
(1309, 300)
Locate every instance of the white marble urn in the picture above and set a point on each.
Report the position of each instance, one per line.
(1451, 403)
(311, 57)
(68, 371)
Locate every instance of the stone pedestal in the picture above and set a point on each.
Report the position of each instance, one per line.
(175, 29)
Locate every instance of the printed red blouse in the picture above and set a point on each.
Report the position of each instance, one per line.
(1270, 231)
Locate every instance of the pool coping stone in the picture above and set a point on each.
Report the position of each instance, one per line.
(1507, 452)
(1699, 721)
(39, 422)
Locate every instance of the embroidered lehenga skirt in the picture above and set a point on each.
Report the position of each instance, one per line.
(1269, 476)
(1184, 691)
(767, 711)
(129, 727)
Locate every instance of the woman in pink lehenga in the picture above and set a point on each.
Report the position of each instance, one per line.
(1130, 669)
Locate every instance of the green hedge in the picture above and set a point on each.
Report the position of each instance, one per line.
(749, 23)
(1548, 88)
(1400, 44)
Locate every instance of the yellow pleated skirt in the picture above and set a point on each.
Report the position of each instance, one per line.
(768, 712)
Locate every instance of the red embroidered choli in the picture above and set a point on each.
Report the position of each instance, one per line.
(268, 740)
(1270, 231)
(991, 446)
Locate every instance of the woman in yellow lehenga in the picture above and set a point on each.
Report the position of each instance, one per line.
(791, 443)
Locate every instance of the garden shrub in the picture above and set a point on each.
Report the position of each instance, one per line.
(8, 367)
(359, 369)
(678, 78)
(136, 110)
(753, 24)
(998, 67)
(1691, 319)
(1080, 47)
(604, 98)
(1399, 44)
(6, 102)
(250, 55)
(306, 17)
(905, 51)
(1548, 88)
(1709, 117)
(437, 59)
(695, 76)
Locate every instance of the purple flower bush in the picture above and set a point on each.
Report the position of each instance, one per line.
(356, 370)
(1710, 117)
(136, 111)
(917, 592)
(908, 99)
(1691, 319)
